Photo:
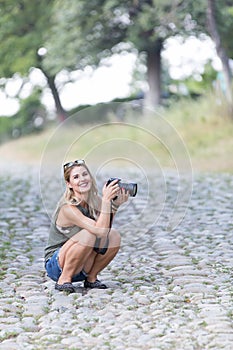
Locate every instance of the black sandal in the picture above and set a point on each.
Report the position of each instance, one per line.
(65, 287)
(96, 284)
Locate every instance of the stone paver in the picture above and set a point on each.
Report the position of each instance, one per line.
(168, 290)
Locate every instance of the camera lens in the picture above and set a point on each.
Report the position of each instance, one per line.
(130, 187)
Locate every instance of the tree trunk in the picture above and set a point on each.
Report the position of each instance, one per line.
(61, 113)
(211, 18)
(153, 96)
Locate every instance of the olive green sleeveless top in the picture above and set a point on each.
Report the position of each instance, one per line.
(60, 235)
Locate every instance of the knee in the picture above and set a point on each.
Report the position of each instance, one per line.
(114, 239)
(86, 238)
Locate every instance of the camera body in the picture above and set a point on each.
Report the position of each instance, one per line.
(131, 187)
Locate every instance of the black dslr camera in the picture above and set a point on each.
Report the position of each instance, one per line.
(131, 187)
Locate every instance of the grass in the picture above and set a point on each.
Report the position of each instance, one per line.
(206, 131)
(198, 128)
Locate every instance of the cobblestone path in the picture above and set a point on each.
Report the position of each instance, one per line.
(167, 289)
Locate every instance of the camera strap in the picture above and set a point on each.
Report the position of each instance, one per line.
(103, 250)
(96, 248)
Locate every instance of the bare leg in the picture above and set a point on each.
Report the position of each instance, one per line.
(99, 262)
(74, 254)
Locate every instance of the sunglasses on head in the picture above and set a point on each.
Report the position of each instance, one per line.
(75, 162)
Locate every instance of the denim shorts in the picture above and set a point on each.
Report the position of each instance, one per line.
(54, 270)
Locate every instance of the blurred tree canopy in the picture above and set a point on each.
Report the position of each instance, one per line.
(220, 18)
(24, 25)
(102, 27)
(56, 35)
(216, 19)
(24, 29)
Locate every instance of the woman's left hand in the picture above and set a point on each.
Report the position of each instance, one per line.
(122, 197)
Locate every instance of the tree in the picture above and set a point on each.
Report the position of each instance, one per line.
(214, 20)
(105, 25)
(24, 29)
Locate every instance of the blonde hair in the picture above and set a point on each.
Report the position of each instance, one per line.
(93, 200)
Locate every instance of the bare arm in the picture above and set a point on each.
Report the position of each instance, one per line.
(70, 215)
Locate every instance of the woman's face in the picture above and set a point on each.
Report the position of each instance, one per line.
(80, 180)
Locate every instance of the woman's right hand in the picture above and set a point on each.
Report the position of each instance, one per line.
(111, 190)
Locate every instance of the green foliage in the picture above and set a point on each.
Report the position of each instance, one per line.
(152, 21)
(91, 30)
(225, 24)
(105, 112)
(24, 26)
(85, 114)
(5, 128)
(224, 20)
(197, 86)
(201, 124)
(80, 33)
(196, 16)
(85, 34)
(30, 118)
(30, 107)
(63, 44)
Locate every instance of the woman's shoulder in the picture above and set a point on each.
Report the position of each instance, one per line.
(67, 207)
(67, 216)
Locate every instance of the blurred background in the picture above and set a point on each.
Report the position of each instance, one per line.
(117, 61)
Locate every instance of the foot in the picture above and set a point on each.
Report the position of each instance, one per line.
(96, 284)
(65, 287)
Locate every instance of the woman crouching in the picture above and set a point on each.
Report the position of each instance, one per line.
(81, 241)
